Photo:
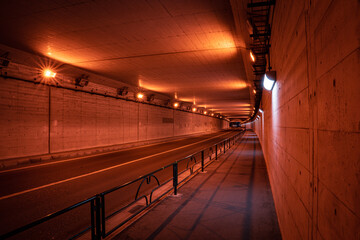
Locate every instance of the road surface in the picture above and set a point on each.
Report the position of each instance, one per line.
(31, 192)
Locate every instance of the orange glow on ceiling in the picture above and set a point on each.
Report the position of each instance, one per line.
(152, 87)
(237, 84)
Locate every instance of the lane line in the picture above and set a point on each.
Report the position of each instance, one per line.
(101, 170)
(89, 156)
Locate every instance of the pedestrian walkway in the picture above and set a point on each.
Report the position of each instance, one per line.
(231, 200)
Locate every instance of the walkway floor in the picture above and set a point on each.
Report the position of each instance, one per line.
(231, 200)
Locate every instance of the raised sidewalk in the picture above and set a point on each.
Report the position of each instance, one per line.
(231, 200)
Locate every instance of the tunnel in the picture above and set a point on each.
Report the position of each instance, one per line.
(261, 95)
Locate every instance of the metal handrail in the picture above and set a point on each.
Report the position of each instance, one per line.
(48, 217)
(97, 202)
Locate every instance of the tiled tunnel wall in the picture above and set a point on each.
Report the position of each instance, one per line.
(80, 120)
(310, 126)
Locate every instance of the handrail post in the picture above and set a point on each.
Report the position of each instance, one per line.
(175, 177)
(92, 216)
(215, 151)
(224, 146)
(97, 218)
(103, 231)
(202, 161)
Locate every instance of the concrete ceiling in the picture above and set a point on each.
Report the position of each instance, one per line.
(184, 49)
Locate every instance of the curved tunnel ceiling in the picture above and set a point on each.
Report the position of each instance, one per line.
(187, 49)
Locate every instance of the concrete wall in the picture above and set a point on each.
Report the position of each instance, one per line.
(311, 121)
(80, 120)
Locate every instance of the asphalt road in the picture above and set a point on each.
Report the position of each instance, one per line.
(31, 192)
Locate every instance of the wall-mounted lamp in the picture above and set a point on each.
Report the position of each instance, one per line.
(176, 105)
(194, 109)
(269, 80)
(151, 98)
(4, 61)
(82, 81)
(123, 91)
(167, 103)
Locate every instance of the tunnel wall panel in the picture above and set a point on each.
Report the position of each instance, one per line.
(309, 129)
(24, 118)
(78, 120)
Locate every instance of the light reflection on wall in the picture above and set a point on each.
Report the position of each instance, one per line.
(274, 98)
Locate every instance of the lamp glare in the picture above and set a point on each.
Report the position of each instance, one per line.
(48, 73)
(140, 95)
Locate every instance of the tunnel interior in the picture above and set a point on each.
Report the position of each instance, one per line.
(192, 63)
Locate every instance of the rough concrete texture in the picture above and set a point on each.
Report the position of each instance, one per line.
(310, 126)
(231, 200)
(79, 120)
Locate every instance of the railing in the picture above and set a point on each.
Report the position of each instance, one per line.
(101, 220)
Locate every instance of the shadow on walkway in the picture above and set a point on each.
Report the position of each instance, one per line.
(231, 200)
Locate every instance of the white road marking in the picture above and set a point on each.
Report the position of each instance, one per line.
(101, 170)
(88, 156)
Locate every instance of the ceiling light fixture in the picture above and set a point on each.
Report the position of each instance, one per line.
(269, 80)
